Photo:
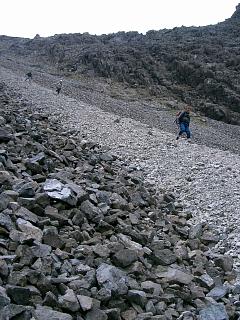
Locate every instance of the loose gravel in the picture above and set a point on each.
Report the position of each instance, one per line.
(206, 180)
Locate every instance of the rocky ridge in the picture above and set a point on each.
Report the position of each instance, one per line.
(84, 237)
(196, 65)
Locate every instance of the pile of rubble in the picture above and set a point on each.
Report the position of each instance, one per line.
(83, 237)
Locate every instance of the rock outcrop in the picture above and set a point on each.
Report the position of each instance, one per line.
(195, 65)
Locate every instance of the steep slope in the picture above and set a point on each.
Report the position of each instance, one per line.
(83, 236)
(205, 179)
(194, 65)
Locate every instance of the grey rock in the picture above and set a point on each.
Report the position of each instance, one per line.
(145, 316)
(50, 300)
(20, 295)
(52, 238)
(25, 190)
(5, 136)
(81, 194)
(206, 281)
(218, 292)
(152, 288)
(225, 262)
(150, 307)
(69, 301)
(6, 178)
(3, 268)
(208, 237)
(129, 314)
(214, 312)
(52, 185)
(125, 257)
(196, 231)
(29, 230)
(26, 215)
(113, 314)
(138, 297)
(53, 214)
(92, 212)
(78, 218)
(4, 299)
(86, 303)
(5, 313)
(104, 294)
(15, 311)
(164, 257)
(101, 250)
(41, 250)
(175, 276)
(96, 314)
(6, 222)
(236, 289)
(56, 190)
(4, 202)
(35, 164)
(112, 278)
(118, 202)
(186, 315)
(46, 313)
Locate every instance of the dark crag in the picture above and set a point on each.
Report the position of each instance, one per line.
(195, 65)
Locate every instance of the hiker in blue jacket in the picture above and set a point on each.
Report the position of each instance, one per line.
(183, 120)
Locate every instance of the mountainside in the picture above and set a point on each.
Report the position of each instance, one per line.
(105, 218)
(196, 65)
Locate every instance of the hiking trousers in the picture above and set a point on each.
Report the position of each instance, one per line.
(184, 127)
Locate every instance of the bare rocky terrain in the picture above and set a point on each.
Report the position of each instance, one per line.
(190, 185)
(102, 215)
(193, 65)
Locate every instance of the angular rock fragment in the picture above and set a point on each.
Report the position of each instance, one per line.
(214, 312)
(175, 276)
(46, 313)
(112, 278)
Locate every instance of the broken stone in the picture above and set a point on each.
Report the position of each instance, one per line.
(225, 262)
(206, 281)
(96, 314)
(20, 295)
(164, 257)
(69, 301)
(125, 257)
(86, 303)
(112, 278)
(92, 212)
(56, 190)
(4, 299)
(218, 292)
(46, 313)
(29, 230)
(214, 312)
(138, 297)
(175, 276)
(51, 237)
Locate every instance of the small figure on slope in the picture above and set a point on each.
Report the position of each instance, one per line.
(59, 86)
(183, 121)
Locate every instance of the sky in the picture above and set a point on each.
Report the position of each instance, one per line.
(26, 18)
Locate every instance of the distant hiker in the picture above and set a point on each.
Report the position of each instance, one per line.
(59, 87)
(28, 76)
(183, 120)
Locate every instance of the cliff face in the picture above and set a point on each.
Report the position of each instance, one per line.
(197, 65)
